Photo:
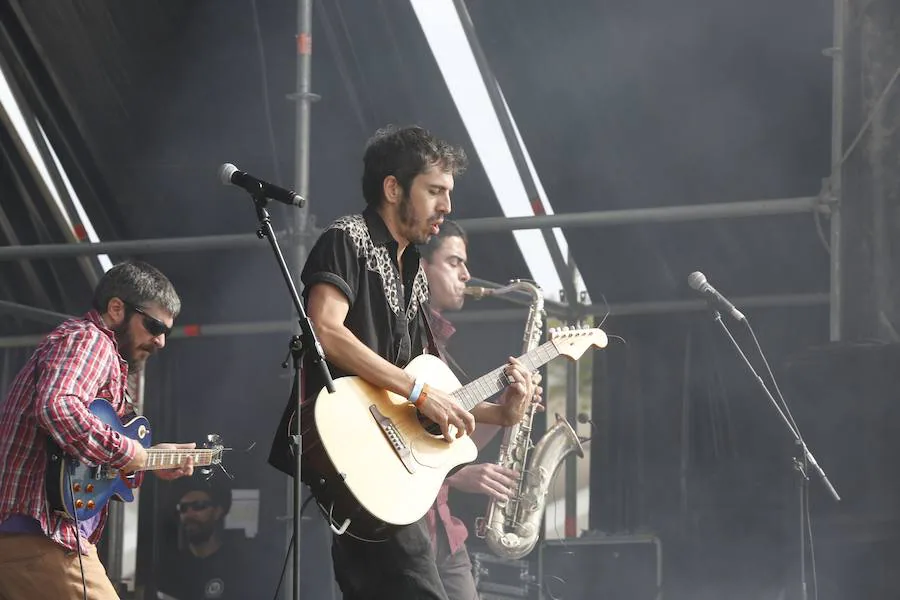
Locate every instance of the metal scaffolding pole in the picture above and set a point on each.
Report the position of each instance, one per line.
(571, 488)
(303, 99)
(837, 150)
(33, 313)
(573, 371)
(661, 214)
(181, 332)
(28, 270)
(153, 246)
(633, 309)
(601, 218)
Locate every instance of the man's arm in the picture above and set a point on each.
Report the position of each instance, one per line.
(72, 371)
(327, 307)
(483, 435)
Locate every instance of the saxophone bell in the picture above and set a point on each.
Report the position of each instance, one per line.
(511, 529)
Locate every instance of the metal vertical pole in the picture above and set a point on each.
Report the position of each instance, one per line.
(572, 385)
(303, 99)
(837, 53)
(121, 515)
(571, 522)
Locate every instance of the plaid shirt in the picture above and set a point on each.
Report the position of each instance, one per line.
(455, 529)
(76, 363)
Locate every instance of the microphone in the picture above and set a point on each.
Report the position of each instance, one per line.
(229, 174)
(697, 281)
(585, 419)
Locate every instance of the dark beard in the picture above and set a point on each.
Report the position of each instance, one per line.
(126, 347)
(406, 219)
(199, 534)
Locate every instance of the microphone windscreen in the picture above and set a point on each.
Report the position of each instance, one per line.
(697, 280)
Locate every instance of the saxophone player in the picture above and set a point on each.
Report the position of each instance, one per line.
(444, 259)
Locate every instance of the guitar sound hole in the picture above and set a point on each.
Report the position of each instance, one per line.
(429, 425)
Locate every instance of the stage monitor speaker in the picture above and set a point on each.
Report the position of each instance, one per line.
(601, 567)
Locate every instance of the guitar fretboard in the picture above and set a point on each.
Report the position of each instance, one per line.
(158, 458)
(479, 390)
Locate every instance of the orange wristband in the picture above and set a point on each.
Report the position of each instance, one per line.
(423, 396)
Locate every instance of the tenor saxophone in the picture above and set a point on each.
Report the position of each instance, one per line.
(511, 528)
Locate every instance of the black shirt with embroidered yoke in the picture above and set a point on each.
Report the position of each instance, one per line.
(358, 255)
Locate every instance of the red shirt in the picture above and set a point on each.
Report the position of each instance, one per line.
(76, 363)
(456, 529)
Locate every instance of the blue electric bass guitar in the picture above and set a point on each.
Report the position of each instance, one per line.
(75, 489)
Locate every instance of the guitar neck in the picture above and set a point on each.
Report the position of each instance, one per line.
(479, 390)
(159, 458)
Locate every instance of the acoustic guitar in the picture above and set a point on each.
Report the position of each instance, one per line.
(372, 461)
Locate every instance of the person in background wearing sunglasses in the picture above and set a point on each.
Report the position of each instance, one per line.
(208, 561)
(83, 359)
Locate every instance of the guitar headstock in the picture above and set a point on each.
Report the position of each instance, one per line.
(575, 341)
(213, 442)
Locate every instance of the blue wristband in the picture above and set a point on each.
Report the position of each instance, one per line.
(416, 391)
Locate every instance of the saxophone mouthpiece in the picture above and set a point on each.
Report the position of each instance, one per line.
(477, 292)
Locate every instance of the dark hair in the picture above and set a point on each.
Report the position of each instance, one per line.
(448, 228)
(136, 283)
(405, 153)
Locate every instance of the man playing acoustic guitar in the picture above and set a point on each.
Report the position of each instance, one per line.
(78, 362)
(367, 295)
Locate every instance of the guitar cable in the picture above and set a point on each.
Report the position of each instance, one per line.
(78, 539)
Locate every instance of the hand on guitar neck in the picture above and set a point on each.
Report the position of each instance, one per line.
(515, 401)
(139, 462)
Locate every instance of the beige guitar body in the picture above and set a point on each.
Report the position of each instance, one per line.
(389, 462)
(368, 459)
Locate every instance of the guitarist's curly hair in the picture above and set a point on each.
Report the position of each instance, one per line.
(405, 152)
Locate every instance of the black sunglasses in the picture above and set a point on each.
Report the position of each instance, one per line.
(154, 326)
(196, 505)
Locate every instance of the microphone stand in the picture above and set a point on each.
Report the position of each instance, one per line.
(299, 345)
(801, 462)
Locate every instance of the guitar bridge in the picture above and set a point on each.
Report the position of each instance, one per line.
(394, 438)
